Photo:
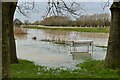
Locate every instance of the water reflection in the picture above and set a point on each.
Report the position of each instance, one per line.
(81, 56)
(98, 38)
(20, 33)
(56, 35)
(21, 36)
(57, 55)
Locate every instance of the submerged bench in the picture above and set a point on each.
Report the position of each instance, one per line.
(80, 43)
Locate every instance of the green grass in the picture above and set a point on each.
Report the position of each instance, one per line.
(78, 29)
(88, 69)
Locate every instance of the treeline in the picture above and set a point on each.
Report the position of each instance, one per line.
(55, 21)
(96, 20)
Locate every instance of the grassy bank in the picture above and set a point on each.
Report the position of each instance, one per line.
(78, 29)
(88, 69)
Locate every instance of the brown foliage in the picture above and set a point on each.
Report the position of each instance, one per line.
(55, 21)
(18, 30)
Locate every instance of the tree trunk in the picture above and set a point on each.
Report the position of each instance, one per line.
(113, 51)
(0, 40)
(8, 44)
(5, 42)
(13, 56)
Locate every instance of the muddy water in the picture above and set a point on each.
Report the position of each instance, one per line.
(54, 55)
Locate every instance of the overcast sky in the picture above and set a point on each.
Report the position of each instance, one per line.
(90, 8)
(68, 0)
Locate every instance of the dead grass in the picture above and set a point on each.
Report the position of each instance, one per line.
(18, 30)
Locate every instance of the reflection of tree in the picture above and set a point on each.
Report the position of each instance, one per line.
(66, 35)
(94, 35)
(78, 56)
(20, 33)
(18, 30)
(57, 35)
(21, 37)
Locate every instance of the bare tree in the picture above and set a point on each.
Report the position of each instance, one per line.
(105, 4)
(0, 40)
(26, 7)
(113, 51)
(8, 43)
(61, 8)
(95, 20)
(55, 21)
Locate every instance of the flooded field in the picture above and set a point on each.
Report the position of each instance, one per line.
(56, 55)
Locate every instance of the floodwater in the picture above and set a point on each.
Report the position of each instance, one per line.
(56, 55)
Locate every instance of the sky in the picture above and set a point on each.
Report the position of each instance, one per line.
(68, 0)
(64, 0)
(90, 8)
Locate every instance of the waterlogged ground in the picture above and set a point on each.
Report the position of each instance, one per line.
(55, 55)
